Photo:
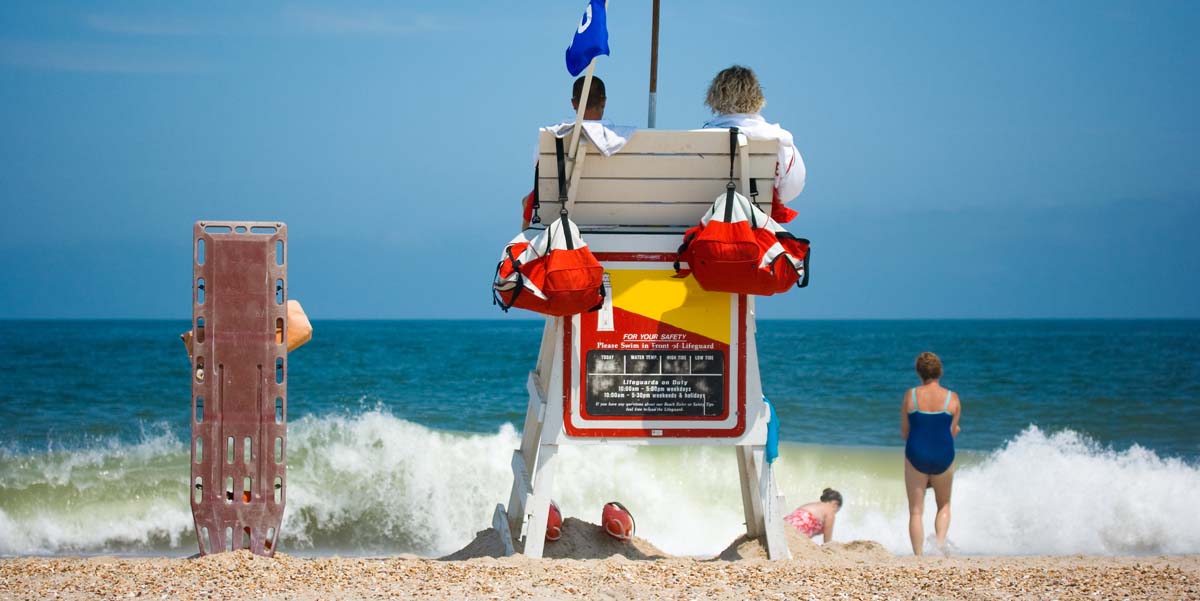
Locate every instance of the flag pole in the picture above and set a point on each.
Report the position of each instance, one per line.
(650, 120)
(573, 143)
(583, 99)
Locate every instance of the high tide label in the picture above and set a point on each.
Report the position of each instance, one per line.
(663, 358)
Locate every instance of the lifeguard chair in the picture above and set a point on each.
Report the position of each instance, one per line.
(663, 362)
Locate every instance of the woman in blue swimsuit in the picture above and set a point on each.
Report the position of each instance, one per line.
(928, 424)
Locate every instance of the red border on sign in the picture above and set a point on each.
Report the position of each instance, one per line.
(736, 397)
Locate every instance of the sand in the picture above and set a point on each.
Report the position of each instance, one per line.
(580, 540)
(587, 564)
(806, 551)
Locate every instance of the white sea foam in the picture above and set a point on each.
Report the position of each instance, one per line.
(105, 497)
(373, 483)
(1062, 493)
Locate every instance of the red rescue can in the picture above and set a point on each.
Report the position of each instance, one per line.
(618, 522)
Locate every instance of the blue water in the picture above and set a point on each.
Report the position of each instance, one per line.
(94, 424)
(833, 382)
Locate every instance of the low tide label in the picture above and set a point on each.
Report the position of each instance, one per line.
(638, 383)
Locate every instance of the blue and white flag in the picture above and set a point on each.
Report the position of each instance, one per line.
(591, 38)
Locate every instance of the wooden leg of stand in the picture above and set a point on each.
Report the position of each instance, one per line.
(751, 499)
(537, 509)
(771, 507)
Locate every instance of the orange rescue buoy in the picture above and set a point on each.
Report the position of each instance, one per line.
(618, 522)
(554, 523)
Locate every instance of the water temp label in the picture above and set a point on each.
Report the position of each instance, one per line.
(638, 383)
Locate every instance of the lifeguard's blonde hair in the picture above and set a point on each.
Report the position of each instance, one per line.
(735, 90)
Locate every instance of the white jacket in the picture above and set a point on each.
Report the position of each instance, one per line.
(604, 135)
(790, 171)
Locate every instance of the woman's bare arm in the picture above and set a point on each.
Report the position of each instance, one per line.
(957, 412)
(904, 418)
(828, 532)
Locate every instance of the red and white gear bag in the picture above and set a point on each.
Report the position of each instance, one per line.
(554, 272)
(738, 248)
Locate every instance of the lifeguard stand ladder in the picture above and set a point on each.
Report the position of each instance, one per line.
(239, 384)
(663, 362)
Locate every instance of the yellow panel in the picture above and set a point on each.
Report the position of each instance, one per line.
(681, 303)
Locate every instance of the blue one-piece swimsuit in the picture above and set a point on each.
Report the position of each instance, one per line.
(930, 446)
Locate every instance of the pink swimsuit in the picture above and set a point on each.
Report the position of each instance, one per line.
(805, 522)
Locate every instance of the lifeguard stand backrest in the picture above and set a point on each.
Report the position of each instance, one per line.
(660, 178)
(239, 384)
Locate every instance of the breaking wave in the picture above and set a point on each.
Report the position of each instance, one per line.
(371, 483)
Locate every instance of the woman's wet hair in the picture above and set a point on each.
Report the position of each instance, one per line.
(735, 90)
(929, 367)
(829, 494)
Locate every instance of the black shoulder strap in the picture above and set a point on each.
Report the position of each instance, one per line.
(733, 146)
(568, 233)
(562, 173)
(729, 188)
(537, 204)
(562, 196)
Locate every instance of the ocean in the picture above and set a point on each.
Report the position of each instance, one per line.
(1077, 437)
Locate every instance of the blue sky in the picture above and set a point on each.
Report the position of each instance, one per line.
(966, 159)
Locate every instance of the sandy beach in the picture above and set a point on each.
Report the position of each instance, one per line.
(853, 570)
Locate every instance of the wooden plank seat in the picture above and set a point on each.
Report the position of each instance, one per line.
(659, 178)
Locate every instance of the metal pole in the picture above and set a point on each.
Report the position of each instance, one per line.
(653, 68)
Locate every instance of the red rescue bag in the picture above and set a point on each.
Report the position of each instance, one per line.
(553, 272)
(738, 248)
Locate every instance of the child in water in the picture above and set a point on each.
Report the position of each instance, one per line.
(816, 518)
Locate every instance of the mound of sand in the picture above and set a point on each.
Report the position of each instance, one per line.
(580, 540)
(584, 540)
(858, 550)
(745, 547)
(804, 549)
(487, 543)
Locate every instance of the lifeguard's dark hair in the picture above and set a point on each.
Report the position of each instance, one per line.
(829, 494)
(595, 95)
(929, 367)
(735, 90)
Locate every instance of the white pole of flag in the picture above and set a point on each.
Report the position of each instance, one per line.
(583, 99)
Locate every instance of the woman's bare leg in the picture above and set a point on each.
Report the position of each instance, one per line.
(941, 494)
(915, 483)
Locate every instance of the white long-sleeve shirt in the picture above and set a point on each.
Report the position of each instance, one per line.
(789, 172)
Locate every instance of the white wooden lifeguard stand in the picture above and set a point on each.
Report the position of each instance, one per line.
(663, 362)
